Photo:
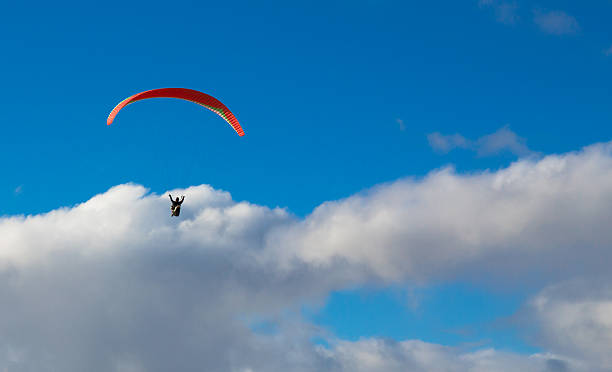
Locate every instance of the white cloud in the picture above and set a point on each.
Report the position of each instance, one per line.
(501, 140)
(575, 318)
(401, 124)
(387, 355)
(115, 284)
(505, 12)
(445, 143)
(556, 22)
(518, 224)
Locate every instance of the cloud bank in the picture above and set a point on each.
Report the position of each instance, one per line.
(114, 284)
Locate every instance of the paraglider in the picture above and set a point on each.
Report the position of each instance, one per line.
(194, 96)
(176, 206)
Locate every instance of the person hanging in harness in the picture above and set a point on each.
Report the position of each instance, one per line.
(176, 205)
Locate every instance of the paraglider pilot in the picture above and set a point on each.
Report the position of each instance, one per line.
(176, 205)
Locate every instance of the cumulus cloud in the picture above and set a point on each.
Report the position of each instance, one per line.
(387, 355)
(115, 284)
(527, 218)
(575, 318)
(556, 22)
(501, 140)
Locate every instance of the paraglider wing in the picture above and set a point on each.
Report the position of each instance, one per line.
(200, 98)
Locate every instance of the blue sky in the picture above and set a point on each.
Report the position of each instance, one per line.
(335, 98)
(318, 89)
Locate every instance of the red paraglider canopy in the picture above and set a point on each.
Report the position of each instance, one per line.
(200, 98)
